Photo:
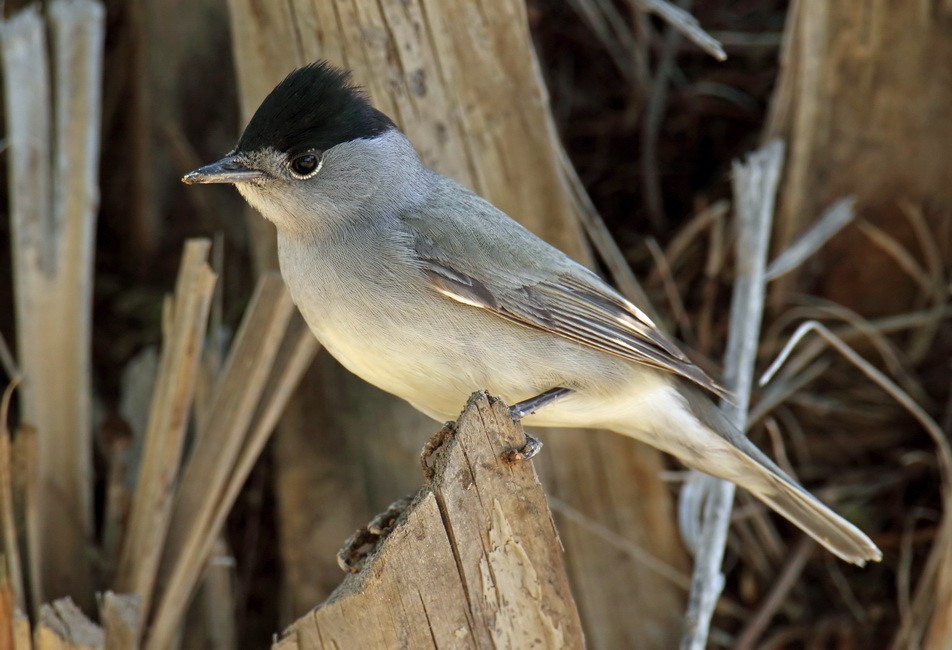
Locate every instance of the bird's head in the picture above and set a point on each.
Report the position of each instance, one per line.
(316, 150)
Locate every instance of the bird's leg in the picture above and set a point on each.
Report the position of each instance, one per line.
(528, 407)
(533, 404)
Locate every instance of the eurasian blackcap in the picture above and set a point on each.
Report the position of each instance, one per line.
(429, 292)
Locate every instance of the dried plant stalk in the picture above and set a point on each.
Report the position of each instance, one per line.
(200, 505)
(121, 616)
(53, 212)
(928, 618)
(219, 622)
(755, 191)
(26, 510)
(684, 23)
(13, 569)
(21, 631)
(186, 316)
(63, 626)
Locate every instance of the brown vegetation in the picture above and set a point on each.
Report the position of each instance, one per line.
(127, 468)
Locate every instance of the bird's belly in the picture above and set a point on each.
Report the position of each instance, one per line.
(433, 365)
(436, 354)
(408, 369)
(436, 358)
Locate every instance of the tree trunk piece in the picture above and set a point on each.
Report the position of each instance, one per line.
(474, 562)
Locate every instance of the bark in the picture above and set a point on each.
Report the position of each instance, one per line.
(863, 100)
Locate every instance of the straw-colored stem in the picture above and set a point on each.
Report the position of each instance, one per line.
(185, 321)
(199, 504)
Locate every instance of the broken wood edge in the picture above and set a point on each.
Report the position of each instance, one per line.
(63, 625)
(474, 560)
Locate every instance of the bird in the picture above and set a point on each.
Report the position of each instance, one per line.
(429, 292)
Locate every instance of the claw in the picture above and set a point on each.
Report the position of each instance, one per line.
(528, 451)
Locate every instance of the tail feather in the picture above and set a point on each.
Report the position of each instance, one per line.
(819, 522)
(753, 470)
(779, 491)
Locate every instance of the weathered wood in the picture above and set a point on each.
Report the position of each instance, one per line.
(62, 626)
(53, 161)
(862, 99)
(461, 79)
(474, 562)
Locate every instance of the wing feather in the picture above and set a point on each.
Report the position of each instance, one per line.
(570, 307)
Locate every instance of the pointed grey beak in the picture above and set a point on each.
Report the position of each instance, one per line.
(230, 169)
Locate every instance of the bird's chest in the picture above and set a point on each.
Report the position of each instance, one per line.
(362, 307)
(375, 313)
(340, 292)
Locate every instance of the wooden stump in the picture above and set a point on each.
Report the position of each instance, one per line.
(473, 562)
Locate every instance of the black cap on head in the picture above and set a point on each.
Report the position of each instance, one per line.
(315, 107)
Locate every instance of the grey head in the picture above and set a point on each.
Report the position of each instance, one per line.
(315, 152)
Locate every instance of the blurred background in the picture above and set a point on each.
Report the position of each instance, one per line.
(651, 124)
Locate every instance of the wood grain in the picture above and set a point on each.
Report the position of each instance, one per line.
(475, 561)
(54, 163)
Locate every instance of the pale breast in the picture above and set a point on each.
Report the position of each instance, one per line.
(396, 333)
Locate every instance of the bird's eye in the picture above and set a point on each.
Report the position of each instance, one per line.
(305, 165)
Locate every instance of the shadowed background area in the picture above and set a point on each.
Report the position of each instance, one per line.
(490, 93)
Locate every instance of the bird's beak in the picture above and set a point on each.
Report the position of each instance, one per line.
(230, 169)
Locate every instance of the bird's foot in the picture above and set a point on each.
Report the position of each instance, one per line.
(533, 404)
(529, 450)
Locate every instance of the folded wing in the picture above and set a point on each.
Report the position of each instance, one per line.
(573, 306)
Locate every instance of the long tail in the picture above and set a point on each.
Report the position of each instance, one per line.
(818, 521)
(750, 468)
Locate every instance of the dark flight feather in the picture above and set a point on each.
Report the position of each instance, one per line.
(315, 107)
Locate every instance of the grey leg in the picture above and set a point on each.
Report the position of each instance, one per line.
(528, 407)
(532, 447)
(533, 404)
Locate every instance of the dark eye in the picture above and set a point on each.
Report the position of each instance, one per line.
(305, 165)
